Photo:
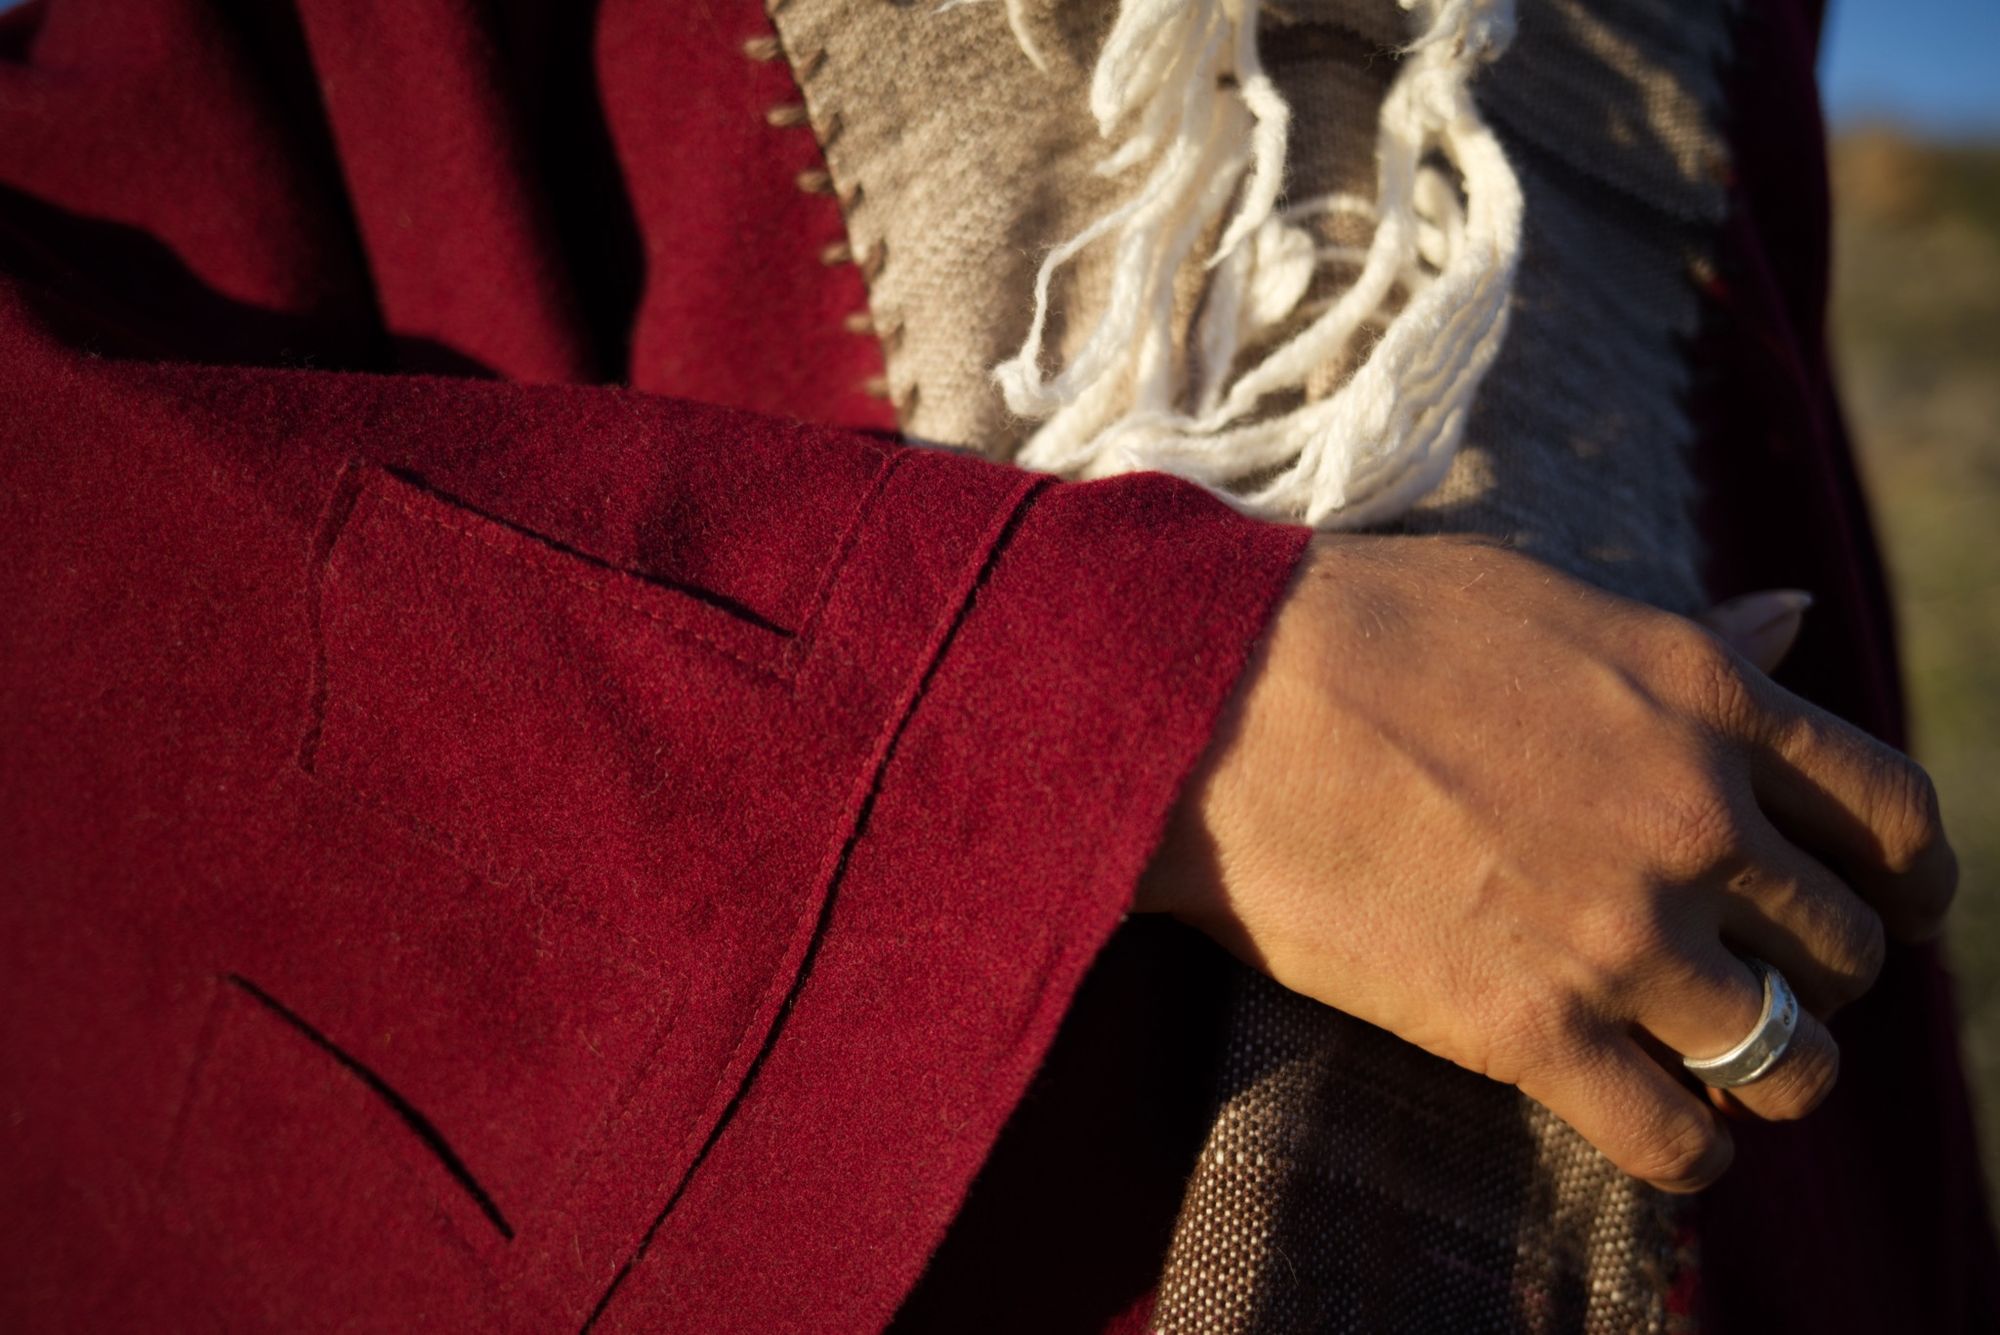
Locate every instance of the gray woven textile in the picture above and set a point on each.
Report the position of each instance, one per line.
(1350, 1182)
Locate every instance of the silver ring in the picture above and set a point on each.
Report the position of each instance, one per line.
(1765, 1045)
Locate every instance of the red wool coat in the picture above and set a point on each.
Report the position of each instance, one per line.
(485, 850)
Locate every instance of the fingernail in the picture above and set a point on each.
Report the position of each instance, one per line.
(1767, 645)
(1763, 626)
(1793, 600)
(1763, 605)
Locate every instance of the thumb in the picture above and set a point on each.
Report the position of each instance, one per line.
(1760, 626)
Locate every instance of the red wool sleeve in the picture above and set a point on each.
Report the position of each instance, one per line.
(496, 850)
(496, 855)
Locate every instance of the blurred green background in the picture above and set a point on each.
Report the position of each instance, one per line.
(1917, 337)
(1915, 106)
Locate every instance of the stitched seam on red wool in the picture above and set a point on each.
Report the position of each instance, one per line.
(787, 984)
(823, 594)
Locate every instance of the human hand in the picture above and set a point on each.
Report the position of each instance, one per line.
(1525, 824)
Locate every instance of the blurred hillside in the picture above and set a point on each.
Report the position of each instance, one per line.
(1917, 336)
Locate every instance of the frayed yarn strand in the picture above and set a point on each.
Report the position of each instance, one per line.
(1181, 82)
(1017, 23)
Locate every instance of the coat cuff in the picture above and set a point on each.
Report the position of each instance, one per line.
(1019, 802)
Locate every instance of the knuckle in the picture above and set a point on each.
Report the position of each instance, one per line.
(1913, 836)
(1914, 824)
(1703, 673)
(1803, 732)
(1681, 1152)
(1915, 850)
(1945, 882)
(1857, 954)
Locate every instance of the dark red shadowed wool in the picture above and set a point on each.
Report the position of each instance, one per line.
(1870, 1214)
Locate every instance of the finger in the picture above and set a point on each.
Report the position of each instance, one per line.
(1861, 807)
(1789, 909)
(1716, 1006)
(1800, 1081)
(1760, 626)
(1641, 1118)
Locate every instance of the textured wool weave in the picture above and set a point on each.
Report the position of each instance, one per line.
(1350, 1181)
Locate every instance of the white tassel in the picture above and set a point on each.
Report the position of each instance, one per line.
(1183, 79)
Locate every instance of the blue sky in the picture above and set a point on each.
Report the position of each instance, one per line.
(1931, 64)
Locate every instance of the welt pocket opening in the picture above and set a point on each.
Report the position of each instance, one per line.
(419, 1125)
(375, 506)
(551, 725)
(507, 699)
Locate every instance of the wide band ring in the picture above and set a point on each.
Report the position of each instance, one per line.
(1765, 1045)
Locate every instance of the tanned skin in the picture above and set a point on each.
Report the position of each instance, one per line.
(1529, 826)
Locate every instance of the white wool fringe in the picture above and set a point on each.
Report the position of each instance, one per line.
(1182, 80)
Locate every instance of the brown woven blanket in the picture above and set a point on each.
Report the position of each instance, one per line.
(1350, 1182)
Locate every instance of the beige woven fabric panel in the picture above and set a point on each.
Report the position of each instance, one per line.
(1350, 1182)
